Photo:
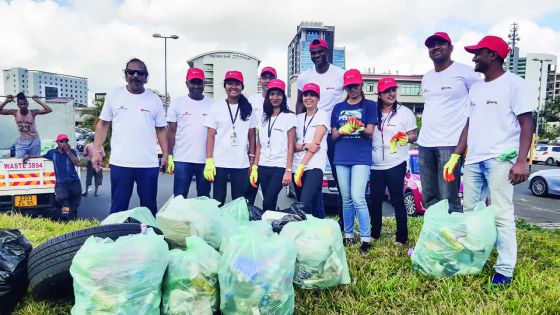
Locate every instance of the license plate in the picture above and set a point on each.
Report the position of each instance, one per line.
(26, 201)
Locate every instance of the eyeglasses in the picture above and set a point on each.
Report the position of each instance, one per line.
(63, 141)
(140, 73)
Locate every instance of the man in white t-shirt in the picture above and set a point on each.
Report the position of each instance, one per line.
(498, 137)
(136, 117)
(330, 80)
(187, 136)
(445, 90)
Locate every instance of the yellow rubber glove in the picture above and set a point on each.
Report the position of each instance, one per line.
(357, 124)
(347, 129)
(170, 164)
(450, 167)
(299, 174)
(393, 146)
(254, 177)
(209, 170)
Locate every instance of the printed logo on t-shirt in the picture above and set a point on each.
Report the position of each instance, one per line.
(144, 110)
(445, 88)
(347, 114)
(491, 102)
(426, 91)
(330, 88)
(122, 108)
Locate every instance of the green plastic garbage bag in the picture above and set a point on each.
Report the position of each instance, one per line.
(194, 216)
(456, 243)
(141, 215)
(258, 228)
(256, 274)
(321, 260)
(120, 277)
(190, 285)
(237, 209)
(47, 144)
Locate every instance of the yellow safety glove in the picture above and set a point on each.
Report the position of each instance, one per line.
(299, 174)
(393, 146)
(399, 137)
(450, 167)
(347, 129)
(254, 176)
(209, 170)
(357, 124)
(170, 164)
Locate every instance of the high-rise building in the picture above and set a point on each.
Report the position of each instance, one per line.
(46, 84)
(299, 59)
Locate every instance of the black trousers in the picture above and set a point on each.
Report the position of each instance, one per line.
(92, 174)
(312, 181)
(69, 195)
(239, 179)
(270, 179)
(393, 179)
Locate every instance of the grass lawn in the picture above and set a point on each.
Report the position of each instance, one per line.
(384, 282)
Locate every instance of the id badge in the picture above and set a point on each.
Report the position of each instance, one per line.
(233, 140)
(268, 152)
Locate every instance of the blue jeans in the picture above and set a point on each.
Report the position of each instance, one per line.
(492, 176)
(122, 182)
(352, 180)
(434, 188)
(182, 179)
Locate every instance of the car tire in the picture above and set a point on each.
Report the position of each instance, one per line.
(538, 186)
(549, 161)
(409, 203)
(49, 263)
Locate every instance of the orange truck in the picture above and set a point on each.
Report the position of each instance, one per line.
(27, 187)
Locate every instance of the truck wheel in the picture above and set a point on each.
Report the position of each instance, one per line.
(49, 263)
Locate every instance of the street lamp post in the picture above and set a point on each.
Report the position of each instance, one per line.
(539, 96)
(165, 65)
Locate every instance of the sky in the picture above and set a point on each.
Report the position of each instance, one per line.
(95, 38)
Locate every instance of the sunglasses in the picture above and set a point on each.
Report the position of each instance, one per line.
(63, 141)
(140, 73)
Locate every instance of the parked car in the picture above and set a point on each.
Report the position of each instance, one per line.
(80, 145)
(549, 154)
(545, 182)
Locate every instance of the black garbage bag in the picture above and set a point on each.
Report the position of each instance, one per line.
(295, 213)
(255, 213)
(14, 250)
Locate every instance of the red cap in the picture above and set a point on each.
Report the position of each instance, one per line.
(493, 43)
(269, 70)
(352, 76)
(234, 75)
(311, 87)
(385, 84)
(277, 84)
(195, 73)
(61, 136)
(318, 42)
(440, 35)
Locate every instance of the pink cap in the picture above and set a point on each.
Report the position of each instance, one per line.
(312, 87)
(195, 73)
(318, 42)
(277, 84)
(438, 35)
(352, 76)
(234, 75)
(269, 70)
(61, 136)
(385, 84)
(493, 43)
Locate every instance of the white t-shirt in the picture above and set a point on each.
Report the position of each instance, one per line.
(190, 139)
(493, 110)
(257, 101)
(404, 120)
(330, 82)
(133, 118)
(319, 159)
(445, 96)
(229, 151)
(274, 150)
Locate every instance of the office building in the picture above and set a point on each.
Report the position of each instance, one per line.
(540, 75)
(215, 65)
(408, 92)
(46, 84)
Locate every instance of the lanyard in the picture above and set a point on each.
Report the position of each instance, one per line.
(233, 119)
(307, 127)
(271, 126)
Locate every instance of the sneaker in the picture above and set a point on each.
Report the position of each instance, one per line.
(500, 279)
(365, 247)
(348, 241)
(84, 194)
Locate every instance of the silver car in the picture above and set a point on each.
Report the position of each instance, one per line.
(542, 183)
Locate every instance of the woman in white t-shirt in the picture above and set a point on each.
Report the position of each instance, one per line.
(396, 128)
(275, 145)
(231, 130)
(311, 150)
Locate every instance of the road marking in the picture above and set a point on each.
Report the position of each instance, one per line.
(537, 208)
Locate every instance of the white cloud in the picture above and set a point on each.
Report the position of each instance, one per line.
(94, 38)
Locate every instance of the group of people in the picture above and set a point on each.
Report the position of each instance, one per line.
(485, 124)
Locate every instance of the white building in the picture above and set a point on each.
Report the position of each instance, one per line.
(215, 65)
(46, 84)
(539, 74)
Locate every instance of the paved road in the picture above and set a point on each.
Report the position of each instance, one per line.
(535, 209)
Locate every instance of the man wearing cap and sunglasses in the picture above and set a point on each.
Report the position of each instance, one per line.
(133, 113)
(498, 135)
(187, 136)
(445, 90)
